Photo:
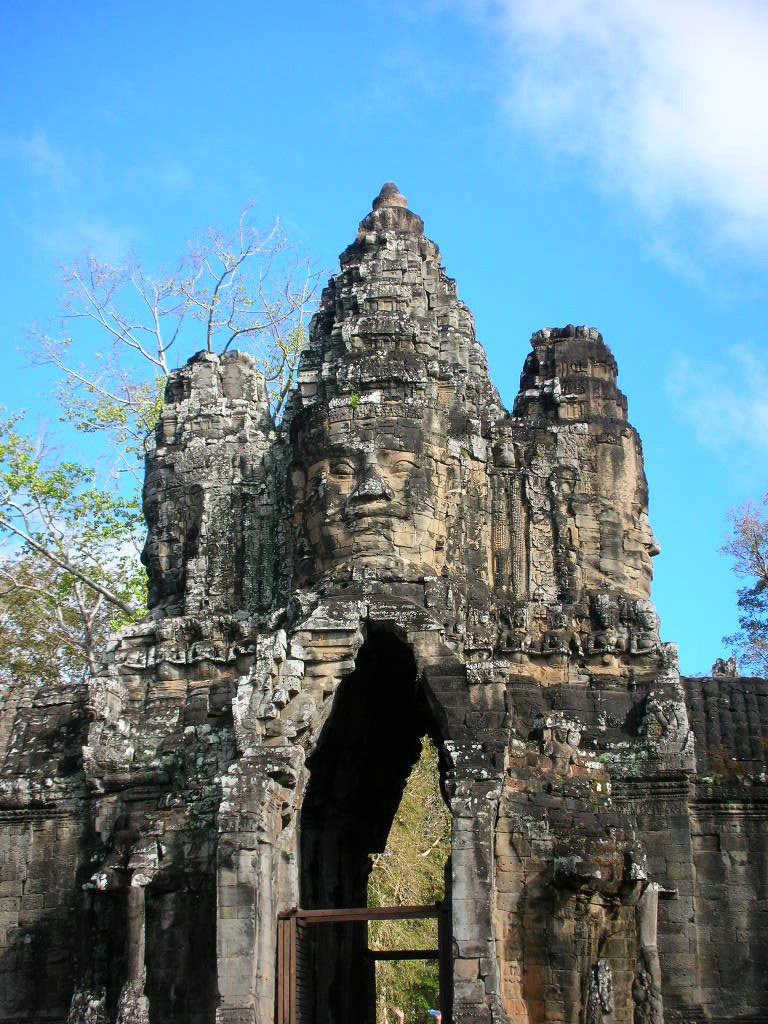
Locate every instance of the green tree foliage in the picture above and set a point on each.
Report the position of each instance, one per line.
(71, 566)
(72, 528)
(51, 627)
(748, 547)
(410, 872)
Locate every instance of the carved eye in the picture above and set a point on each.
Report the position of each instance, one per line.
(343, 469)
(403, 467)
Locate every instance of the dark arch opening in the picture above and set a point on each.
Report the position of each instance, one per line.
(358, 772)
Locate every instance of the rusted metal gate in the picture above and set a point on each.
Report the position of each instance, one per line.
(293, 979)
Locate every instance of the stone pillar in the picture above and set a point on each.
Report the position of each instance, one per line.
(133, 1006)
(647, 988)
(249, 897)
(474, 790)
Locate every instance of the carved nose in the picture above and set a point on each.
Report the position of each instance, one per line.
(371, 488)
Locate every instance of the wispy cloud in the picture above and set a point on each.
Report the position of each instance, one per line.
(726, 402)
(158, 171)
(174, 176)
(108, 242)
(41, 159)
(665, 99)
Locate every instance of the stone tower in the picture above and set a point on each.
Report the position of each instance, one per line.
(400, 557)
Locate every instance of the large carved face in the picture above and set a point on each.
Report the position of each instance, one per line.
(368, 491)
(165, 549)
(627, 543)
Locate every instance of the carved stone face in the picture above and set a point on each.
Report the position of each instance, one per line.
(366, 493)
(164, 549)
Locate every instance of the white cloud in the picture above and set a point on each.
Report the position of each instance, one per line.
(665, 98)
(725, 402)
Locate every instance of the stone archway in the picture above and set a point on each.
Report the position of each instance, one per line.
(357, 774)
(283, 707)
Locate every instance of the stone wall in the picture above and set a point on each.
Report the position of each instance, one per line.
(729, 839)
(400, 556)
(44, 844)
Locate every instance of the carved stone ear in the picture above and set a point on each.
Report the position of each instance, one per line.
(298, 480)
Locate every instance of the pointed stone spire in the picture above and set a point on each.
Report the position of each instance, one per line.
(392, 299)
(390, 213)
(390, 195)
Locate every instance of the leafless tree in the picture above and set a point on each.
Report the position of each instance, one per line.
(748, 547)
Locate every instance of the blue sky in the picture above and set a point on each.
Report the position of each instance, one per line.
(577, 162)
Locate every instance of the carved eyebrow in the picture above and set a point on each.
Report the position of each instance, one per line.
(395, 455)
(339, 454)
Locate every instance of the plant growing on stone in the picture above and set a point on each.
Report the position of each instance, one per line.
(748, 547)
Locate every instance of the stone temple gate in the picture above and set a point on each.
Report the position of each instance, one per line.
(402, 556)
